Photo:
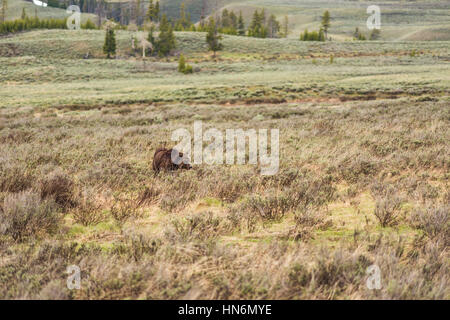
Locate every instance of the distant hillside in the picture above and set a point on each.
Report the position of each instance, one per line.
(15, 11)
(401, 20)
(194, 7)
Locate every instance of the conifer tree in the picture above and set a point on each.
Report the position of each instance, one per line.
(151, 36)
(212, 37)
(157, 12)
(241, 25)
(150, 11)
(109, 48)
(273, 26)
(166, 41)
(181, 63)
(326, 22)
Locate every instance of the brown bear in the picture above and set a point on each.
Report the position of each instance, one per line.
(162, 160)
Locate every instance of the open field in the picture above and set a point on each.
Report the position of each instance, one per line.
(363, 179)
(268, 70)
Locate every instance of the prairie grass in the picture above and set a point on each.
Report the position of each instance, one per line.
(363, 179)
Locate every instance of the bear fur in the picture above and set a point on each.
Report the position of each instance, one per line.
(162, 161)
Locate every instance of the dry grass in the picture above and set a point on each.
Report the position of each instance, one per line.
(227, 232)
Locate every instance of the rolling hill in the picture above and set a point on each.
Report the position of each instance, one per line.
(421, 20)
(401, 20)
(15, 11)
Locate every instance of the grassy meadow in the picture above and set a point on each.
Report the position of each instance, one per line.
(401, 20)
(363, 179)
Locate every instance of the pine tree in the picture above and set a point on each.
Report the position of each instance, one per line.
(150, 11)
(151, 36)
(109, 48)
(181, 63)
(326, 22)
(156, 12)
(24, 14)
(166, 41)
(321, 36)
(233, 20)
(258, 27)
(213, 38)
(241, 25)
(273, 26)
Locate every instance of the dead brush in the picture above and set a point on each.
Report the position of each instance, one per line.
(59, 186)
(230, 186)
(88, 211)
(149, 196)
(25, 215)
(124, 209)
(307, 220)
(136, 246)
(241, 219)
(313, 192)
(388, 204)
(269, 208)
(310, 218)
(433, 221)
(14, 178)
(202, 226)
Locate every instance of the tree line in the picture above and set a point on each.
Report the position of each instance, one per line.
(29, 23)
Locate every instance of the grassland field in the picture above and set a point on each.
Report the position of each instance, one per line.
(364, 131)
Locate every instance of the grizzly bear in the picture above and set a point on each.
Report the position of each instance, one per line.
(162, 160)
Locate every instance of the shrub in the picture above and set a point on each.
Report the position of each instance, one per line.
(312, 36)
(59, 186)
(24, 215)
(387, 205)
(124, 209)
(88, 212)
(14, 179)
(433, 221)
(89, 25)
(188, 69)
(271, 207)
(31, 23)
(183, 67)
(200, 226)
(181, 63)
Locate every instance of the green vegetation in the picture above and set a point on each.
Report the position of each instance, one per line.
(326, 23)
(31, 23)
(313, 36)
(213, 38)
(166, 42)
(183, 67)
(109, 47)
